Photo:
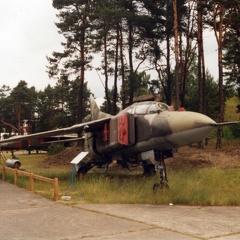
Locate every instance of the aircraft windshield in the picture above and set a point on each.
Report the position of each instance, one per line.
(147, 108)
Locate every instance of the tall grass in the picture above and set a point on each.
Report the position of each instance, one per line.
(206, 186)
(231, 109)
(211, 186)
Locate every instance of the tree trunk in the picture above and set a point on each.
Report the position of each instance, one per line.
(108, 110)
(181, 71)
(219, 11)
(176, 47)
(82, 73)
(123, 92)
(131, 75)
(200, 52)
(114, 107)
(201, 65)
(169, 75)
(204, 102)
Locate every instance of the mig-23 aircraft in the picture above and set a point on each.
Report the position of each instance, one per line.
(144, 133)
(31, 144)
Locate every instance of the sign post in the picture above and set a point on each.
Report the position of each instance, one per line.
(74, 164)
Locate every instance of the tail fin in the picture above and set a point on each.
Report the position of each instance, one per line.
(95, 111)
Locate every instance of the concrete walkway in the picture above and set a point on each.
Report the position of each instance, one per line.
(24, 215)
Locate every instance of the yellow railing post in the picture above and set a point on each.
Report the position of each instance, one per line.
(15, 176)
(3, 173)
(31, 178)
(55, 189)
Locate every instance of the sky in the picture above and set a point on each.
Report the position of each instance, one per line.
(28, 35)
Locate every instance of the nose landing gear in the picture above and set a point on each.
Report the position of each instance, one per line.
(160, 157)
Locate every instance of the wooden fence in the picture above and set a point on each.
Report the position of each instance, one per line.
(31, 176)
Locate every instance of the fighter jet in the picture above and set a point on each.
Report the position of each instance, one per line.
(145, 133)
(28, 144)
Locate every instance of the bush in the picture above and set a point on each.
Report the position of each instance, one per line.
(55, 148)
(227, 133)
(235, 128)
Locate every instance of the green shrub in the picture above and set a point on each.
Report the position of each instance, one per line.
(227, 133)
(55, 148)
(235, 128)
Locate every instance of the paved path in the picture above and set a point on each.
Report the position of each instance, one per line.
(24, 215)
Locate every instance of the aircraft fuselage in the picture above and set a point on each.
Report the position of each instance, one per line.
(144, 132)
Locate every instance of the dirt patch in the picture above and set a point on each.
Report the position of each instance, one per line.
(227, 157)
(186, 157)
(61, 159)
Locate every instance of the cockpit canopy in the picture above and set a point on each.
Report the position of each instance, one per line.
(142, 108)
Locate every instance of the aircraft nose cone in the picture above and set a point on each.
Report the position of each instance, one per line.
(191, 120)
(189, 127)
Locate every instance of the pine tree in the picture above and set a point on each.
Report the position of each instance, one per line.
(74, 25)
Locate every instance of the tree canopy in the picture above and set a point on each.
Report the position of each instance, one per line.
(135, 40)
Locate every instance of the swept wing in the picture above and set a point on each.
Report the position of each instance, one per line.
(77, 128)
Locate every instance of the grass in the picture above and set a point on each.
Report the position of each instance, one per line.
(231, 109)
(207, 186)
(211, 186)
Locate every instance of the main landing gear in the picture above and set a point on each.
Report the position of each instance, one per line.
(160, 157)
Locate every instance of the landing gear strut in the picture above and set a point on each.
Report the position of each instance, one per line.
(160, 157)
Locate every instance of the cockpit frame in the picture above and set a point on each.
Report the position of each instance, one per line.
(149, 107)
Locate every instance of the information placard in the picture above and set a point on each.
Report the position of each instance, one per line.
(79, 158)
